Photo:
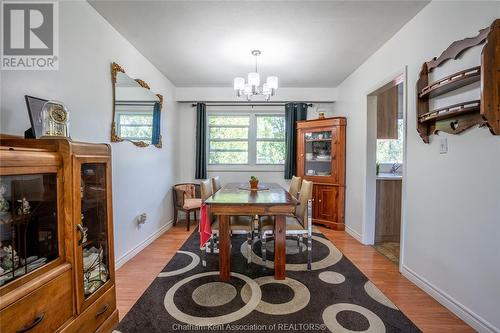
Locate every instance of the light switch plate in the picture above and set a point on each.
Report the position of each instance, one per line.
(443, 145)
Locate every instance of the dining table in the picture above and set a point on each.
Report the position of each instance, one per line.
(235, 199)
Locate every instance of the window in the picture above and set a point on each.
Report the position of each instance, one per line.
(270, 139)
(228, 139)
(391, 151)
(249, 139)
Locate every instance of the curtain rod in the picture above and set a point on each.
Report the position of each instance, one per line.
(254, 104)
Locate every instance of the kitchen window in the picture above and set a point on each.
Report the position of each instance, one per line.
(391, 151)
(252, 139)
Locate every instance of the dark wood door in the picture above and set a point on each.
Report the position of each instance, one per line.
(326, 199)
(387, 114)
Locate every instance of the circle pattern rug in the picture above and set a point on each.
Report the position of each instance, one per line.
(333, 297)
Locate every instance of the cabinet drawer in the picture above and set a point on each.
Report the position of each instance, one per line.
(43, 310)
(95, 314)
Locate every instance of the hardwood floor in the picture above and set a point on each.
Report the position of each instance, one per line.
(133, 278)
(423, 310)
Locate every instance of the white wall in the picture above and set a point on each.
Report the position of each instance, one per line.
(142, 177)
(451, 243)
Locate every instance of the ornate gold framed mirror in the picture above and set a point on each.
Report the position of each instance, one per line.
(136, 110)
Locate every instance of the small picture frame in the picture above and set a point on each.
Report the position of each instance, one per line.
(35, 105)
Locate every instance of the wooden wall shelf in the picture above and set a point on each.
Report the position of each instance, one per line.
(450, 111)
(451, 82)
(457, 118)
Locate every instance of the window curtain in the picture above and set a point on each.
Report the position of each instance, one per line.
(293, 112)
(156, 123)
(201, 141)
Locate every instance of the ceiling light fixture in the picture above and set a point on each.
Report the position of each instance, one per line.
(252, 86)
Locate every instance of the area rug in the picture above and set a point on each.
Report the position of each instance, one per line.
(333, 297)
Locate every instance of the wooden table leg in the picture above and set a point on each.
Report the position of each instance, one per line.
(279, 247)
(224, 248)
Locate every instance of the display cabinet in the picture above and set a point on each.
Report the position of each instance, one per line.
(321, 159)
(56, 234)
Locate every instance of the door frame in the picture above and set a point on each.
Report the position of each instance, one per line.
(369, 186)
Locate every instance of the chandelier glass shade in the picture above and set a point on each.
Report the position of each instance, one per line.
(252, 86)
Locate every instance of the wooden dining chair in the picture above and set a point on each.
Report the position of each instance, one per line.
(186, 199)
(300, 224)
(236, 223)
(216, 184)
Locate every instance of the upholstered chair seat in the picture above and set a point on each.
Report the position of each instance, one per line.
(236, 223)
(292, 223)
(192, 204)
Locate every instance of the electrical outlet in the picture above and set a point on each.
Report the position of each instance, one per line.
(443, 145)
(141, 219)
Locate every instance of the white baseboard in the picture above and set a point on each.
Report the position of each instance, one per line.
(142, 245)
(464, 313)
(353, 233)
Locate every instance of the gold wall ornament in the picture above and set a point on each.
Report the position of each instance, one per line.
(114, 137)
(159, 144)
(115, 68)
(161, 100)
(139, 138)
(141, 144)
(142, 84)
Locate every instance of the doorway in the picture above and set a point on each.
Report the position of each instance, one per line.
(386, 142)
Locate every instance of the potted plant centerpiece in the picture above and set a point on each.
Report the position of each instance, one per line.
(254, 183)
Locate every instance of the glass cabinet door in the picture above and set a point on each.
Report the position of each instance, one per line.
(318, 153)
(28, 224)
(93, 227)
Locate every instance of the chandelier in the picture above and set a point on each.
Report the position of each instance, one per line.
(252, 87)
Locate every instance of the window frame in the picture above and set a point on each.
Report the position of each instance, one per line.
(252, 140)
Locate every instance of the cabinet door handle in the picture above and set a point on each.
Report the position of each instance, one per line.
(36, 321)
(319, 200)
(83, 233)
(102, 310)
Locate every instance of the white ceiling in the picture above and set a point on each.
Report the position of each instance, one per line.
(304, 43)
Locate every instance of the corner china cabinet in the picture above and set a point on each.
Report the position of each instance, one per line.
(56, 233)
(321, 159)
